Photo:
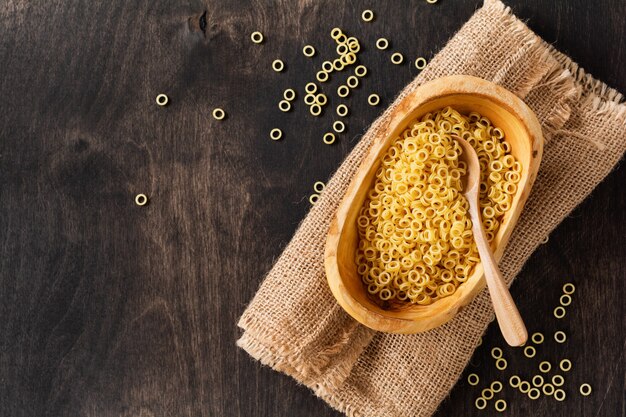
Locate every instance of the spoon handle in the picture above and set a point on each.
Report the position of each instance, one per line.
(510, 322)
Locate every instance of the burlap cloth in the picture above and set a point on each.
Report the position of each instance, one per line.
(294, 325)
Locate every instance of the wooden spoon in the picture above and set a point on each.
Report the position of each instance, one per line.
(511, 323)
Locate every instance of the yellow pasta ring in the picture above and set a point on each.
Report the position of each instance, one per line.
(557, 380)
(257, 37)
(352, 81)
(487, 393)
(514, 381)
(338, 65)
(537, 380)
(313, 198)
(496, 386)
(339, 126)
(547, 389)
(431, 1)
(397, 58)
(276, 134)
(534, 393)
(219, 114)
(569, 288)
(141, 199)
(473, 379)
(284, 105)
(289, 94)
(529, 351)
(343, 91)
(585, 389)
(162, 100)
(329, 138)
(308, 51)
(565, 300)
(278, 65)
(321, 99)
(322, 76)
(342, 110)
(496, 353)
(373, 99)
(559, 394)
(360, 71)
(524, 387)
(342, 49)
(315, 110)
(335, 33)
(327, 66)
(367, 15)
(500, 405)
(545, 366)
(319, 186)
(354, 46)
(382, 44)
(559, 312)
(501, 364)
(420, 63)
(565, 365)
(560, 336)
(537, 338)
(310, 99)
(480, 403)
(310, 88)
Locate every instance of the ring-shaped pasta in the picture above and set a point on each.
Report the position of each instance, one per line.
(313, 198)
(569, 288)
(501, 364)
(473, 379)
(319, 186)
(496, 353)
(335, 33)
(534, 393)
(257, 37)
(529, 351)
(367, 15)
(218, 114)
(315, 110)
(559, 312)
(278, 65)
(308, 51)
(352, 81)
(565, 300)
(545, 366)
(339, 126)
(585, 389)
(431, 1)
(537, 380)
(559, 394)
(141, 199)
(342, 110)
(496, 386)
(162, 100)
(557, 380)
(420, 63)
(547, 389)
(322, 76)
(321, 99)
(329, 138)
(397, 58)
(343, 91)
(360, 71)
(310, 88)
(342, 38)
(480, 403)
(284, 105)
(310, 99)
(500, 404)
(487, 393)
(327, 66)
(338, 65)
(537, 338)
(382, 44)
(289, 94)
(560, 336)
(524, 387)
(342, 49)
(276, 134)
(514, 381)
(350, 58)
(565, 365)
(373, 99)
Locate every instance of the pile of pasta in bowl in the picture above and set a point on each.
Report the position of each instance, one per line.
(415, 234)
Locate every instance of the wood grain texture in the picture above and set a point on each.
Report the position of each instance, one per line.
(109, 309)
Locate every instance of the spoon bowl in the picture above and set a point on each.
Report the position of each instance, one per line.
(465, 94)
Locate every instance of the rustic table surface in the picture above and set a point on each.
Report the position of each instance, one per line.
(111, 309)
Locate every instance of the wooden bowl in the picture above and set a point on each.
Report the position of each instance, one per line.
(465, 94)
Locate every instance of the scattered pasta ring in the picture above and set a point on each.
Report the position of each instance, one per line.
(343, 91)
(559, 394)
(367, 15)
(290, 94)
(342, 49)
(537, 338)
(501, 364)
(420, 63)
(342, 110)
(496, 386)
(360, 71)
(329, 138)
(560, 336)
(339, 126)
(308, 51)
(350, 58)
(569, 288)
(309, 99)
(310, 88)
(315, 109)
(338, 65)
(559, 312)
(514, 381)
(162, 100)
(565, 300)
(565, 365)
(473, 379)
(284, 105)
(382, 44)
(327, 66)
(496, 353)
(335, 33)
(397, 58)
(480, 403)
(322, 76)
(537, 380)
(547, 389)
(545, 367)
(431, 1)
(319, 186)
(500, 404)
(257, 37)
(585, 389)
(278, 65)
(321, 99)
(354, 46)
(219, 114)
(141, 199)
(530, 351)
(313, 198)
(352, 81)
(342, 38)
(557, 380)
(534, 393)
(524, 387)
(373, 99)
(276, 134)
(487, 393)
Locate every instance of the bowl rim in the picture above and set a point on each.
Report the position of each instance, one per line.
(422, 95)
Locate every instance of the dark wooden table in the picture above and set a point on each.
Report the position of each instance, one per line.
(110, 309)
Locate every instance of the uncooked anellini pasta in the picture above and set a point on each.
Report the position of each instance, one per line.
(416, 243)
